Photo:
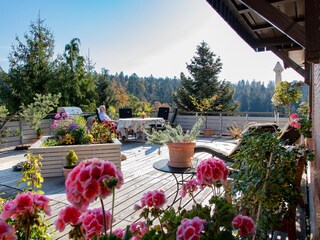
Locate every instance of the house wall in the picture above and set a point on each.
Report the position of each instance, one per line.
(315, 166)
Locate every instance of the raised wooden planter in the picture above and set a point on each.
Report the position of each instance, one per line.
(54, 157)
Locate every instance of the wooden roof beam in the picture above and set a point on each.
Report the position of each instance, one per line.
(288, 61)
(265, 26)
(278, 19)
(276, 41)
(220, 7)
(313, 31)
(243, 9)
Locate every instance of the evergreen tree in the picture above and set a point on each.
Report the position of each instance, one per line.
(31, 64)
(204, 83)
(77, 87)
(105, 90)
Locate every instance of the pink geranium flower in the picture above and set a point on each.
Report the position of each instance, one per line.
(245, 225)
(24, 204)
(212, 170)
(6, 231)
(92, 222)
(153, 199)
(138, 229)
(86, 182)
(190, 229)
(295, 121)
(64, 114)
(8, 210)
(57, 116)
(118, 232)
(42, 203)
(68, 215)
(294, 116)
(189, 187)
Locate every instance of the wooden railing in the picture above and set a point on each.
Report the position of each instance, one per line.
(220, 122)
(217, 121)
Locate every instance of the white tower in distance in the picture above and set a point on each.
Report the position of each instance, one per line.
(278, 70)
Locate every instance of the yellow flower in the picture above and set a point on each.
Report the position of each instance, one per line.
(69, 139)
(91, 138)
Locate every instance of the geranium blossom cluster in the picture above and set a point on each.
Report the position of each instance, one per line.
(138, 230)
(6, 231)
(25, 205)
(68, 215)
(86, 182)
(303, 125)
(92, 222)
(91, 179)
(211, 170)
(152, 199)
(190, 228)
(189, 187)
(245, 225)
(27, 208)
(295, 121)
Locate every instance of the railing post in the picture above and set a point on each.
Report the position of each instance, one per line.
(247, 118)
(220, 124)
(21, 131)
(50, 124)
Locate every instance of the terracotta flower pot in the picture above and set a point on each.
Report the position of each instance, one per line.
(208, 132)
(66, 171)
(180, 154)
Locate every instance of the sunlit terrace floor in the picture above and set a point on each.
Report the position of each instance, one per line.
(139, 177)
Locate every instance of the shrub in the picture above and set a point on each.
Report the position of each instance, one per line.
(71, 159)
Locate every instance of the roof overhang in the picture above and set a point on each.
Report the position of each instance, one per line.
(285, 27)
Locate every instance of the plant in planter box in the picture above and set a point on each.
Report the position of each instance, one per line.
(71, 162)
(68, 131)
(178, 142)
(103, 132)
(204, 106)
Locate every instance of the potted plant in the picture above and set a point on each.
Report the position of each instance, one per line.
(204, 106)
(180, 144)
(39, 133)
(71, 162)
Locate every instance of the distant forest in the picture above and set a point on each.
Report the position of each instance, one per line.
(252, 96)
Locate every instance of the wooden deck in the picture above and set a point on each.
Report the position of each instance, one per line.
(139, 177)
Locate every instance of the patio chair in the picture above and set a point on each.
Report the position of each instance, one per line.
(170, 122)
(97, 113)
(288, 136)
(163, 112)
(125, 113)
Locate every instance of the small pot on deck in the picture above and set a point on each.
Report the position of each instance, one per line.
(66, 170)
(208, 132)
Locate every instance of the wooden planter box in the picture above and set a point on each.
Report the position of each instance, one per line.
(54, 156)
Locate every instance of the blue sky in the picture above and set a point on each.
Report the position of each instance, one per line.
(144, 37)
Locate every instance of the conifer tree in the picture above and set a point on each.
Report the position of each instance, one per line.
(204, 83)
(30, 64)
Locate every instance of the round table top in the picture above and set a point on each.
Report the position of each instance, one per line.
(162, 165)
